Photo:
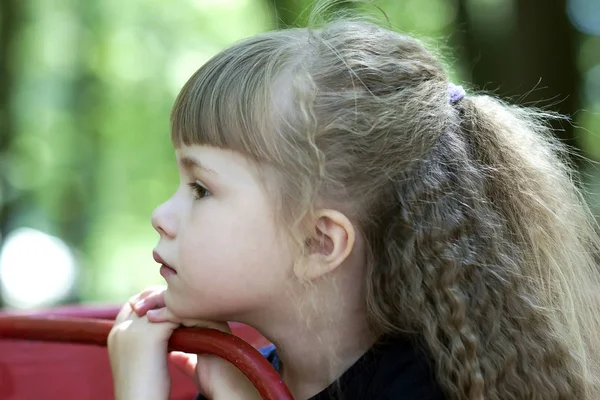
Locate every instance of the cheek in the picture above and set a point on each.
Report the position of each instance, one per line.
(233, 252)
(223, 278)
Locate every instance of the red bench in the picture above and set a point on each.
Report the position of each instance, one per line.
(58, 354)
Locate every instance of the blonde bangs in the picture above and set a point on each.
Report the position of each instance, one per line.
(227, 102)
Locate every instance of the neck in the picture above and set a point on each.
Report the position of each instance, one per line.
(316, 347)
(313, 362)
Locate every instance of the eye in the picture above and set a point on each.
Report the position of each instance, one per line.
(199, 190)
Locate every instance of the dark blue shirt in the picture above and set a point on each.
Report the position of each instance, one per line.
(393, 368)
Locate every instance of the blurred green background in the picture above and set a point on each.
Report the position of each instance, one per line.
(86, 89)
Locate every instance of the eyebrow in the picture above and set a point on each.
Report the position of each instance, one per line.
(190, 163)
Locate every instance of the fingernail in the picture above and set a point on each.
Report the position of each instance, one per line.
(153, 313)
(138, 305)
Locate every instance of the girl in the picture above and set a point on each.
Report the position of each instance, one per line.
(394, 237)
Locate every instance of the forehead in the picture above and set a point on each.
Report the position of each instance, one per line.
(216, 161)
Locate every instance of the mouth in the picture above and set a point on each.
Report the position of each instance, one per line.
(165, 269)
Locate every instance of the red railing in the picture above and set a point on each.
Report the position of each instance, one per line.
(67, 326)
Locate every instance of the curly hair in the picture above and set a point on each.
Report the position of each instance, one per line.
(479, 242)
(494, 253)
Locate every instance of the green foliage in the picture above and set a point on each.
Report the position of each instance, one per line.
(97, 81)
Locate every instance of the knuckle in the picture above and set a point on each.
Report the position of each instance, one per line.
(152, 290)
(126, 332)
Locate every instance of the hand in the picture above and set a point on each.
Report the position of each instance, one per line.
(215, 378)
(137, 350)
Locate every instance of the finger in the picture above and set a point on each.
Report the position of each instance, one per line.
(152, 290)
(149, 291)
(157, 300)
(162, 315)
(148, 300)
(220, 326)
(184, 362)
(133, 299)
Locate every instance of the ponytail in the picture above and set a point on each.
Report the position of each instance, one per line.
(494, 254)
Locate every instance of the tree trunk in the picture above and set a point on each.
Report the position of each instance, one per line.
(531, 59)
(9, 198)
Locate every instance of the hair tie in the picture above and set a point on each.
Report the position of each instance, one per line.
(456, 93)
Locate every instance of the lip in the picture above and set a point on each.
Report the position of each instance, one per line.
(160, 260)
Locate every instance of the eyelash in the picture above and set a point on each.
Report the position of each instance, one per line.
(200, 191)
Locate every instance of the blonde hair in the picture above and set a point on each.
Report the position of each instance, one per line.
(479, 242)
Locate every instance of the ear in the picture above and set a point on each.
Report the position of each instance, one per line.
(331, 243)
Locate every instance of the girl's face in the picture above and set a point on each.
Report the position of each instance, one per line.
(219, 235)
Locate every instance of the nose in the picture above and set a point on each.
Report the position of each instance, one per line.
(164, 220)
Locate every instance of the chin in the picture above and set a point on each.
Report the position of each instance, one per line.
(189, 307)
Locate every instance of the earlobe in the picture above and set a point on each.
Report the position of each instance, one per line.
(332, 243)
